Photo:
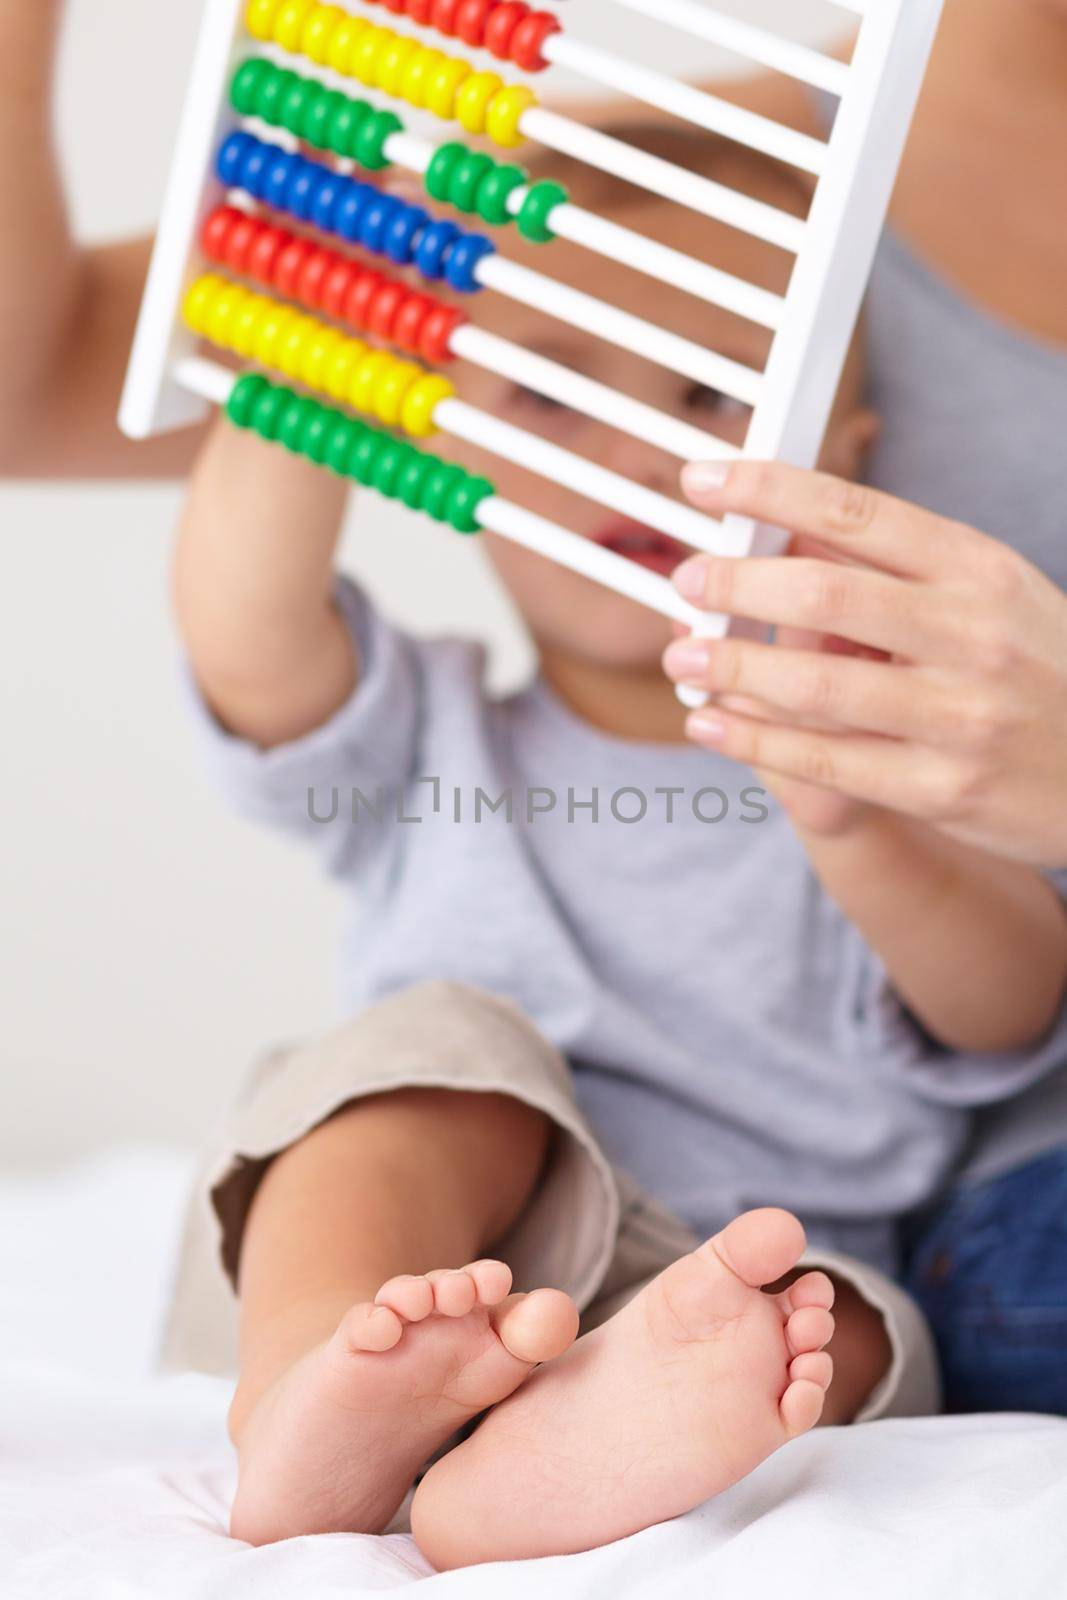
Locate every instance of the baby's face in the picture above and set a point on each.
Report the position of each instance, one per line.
(567, 613)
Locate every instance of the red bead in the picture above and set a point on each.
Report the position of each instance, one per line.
(471, 19)
(239, 241)
(407, 324)
(395, 6)
(264, 253)
(290, 264)
(419, 10)
(500, 28)
(362, 292)
(216, 231)
(529, 37)
(443, 15)
(383, 308)
(337, 286)
(313, 275)
(437, 332)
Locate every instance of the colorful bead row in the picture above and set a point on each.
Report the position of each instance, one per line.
(322, 117)
(255, 327)
(395, 63)
(472, 181)
(354, 211)
(508, 29)
(324, 280)
(353, 449)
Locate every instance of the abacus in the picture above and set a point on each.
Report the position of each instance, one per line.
(266, 242)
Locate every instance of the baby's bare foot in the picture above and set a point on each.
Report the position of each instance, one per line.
(682, 1393)
(335, 1444)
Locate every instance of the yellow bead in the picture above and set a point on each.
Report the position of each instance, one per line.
(506, 111)
(392, 61)
(275, 324)
(317, 352)
(473, 99)
(198, 302)
(443, 86)
(222, 311)
(340, 368)
(343, 42)
(392, 390)
(259, 18)
(290, 21)
(365, 54)
(245, 327)
(366, 378)
(416, 75)
(318, 31)
(292, 347)
(420, 403)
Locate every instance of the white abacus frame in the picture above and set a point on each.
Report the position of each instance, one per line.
(170, 385)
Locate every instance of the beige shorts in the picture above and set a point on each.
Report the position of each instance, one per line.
(587, 1229)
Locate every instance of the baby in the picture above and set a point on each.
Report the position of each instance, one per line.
(607, 996)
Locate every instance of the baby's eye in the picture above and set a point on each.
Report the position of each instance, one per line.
(701, 397)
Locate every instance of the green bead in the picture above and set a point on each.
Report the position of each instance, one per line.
(319, 117)
(467, 178)
(371, 139)
(538, 206)
(367, 449)
(247, 85)
(267, 411)
(293, 422)
(389, 465)
(316, 435)
(463, 503)
(273, 93)
(409, 485)
(345, 123)
(493, 192)
(297, 101)
(243, 397)
(344, 431)
(439, 173)
(437, 488)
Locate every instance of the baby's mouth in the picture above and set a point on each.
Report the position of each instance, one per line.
(648, 548)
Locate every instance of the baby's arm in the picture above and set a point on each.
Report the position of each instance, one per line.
(253, 587)
(67, 314)
(975, 946)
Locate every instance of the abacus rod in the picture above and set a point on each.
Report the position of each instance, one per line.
(663, 178)
(214, 382)
(632, 333)
(584, 477)
(692, 105)
(573, 389)
(743, 38)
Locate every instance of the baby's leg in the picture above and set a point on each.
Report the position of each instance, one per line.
(355, 1367)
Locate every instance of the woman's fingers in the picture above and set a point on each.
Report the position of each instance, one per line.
(854, 520)
(869, 608)
(877, 697)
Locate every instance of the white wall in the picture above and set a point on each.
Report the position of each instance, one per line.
(149, 944)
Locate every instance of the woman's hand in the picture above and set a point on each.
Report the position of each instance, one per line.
(953, 706)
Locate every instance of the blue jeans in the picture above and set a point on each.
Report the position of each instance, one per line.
(989, 1268)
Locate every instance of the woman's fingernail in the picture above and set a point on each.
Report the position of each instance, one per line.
(704, 477)
(705, 727)
(691, 578)
(686, 660)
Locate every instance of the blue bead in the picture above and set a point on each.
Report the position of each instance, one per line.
(377, 217)
(433, 247)
(464, 257)
(348, 213)
(231, 156)
(301, 190)
(274, 189)
(325, 191)
(402, 234)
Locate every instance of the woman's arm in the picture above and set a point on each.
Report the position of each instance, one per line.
(66, 314)
(253, 588)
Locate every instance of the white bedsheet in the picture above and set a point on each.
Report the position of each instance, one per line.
(114, 1484)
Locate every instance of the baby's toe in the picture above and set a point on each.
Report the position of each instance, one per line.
(760, 1246)
(454, 1293)
(409, 1296)
(370, 1328)
(813, 1289)
(538, 1326)
(492, 1281)
(801, 1406)
(815, 1366)
(809, 1329)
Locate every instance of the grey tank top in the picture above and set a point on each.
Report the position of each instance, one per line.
(975, 427)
